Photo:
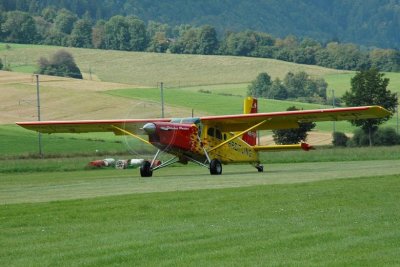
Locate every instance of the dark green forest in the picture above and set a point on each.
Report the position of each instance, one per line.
(363, 22)
(336, 34)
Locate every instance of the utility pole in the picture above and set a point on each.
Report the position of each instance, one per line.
(162, 99)
(90, 72)
(333, 106)
(397, 114)
(38, 113)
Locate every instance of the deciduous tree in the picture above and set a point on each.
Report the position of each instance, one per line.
(261, 86)
(98, 34)
(138, 40)
(64, 21)
(293, 136)
(19, 27)
(81, 35)
(117, 34)
(208, 41)
(369, 87)
(159, 43)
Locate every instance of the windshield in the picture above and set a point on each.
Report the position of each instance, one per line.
(186, 120)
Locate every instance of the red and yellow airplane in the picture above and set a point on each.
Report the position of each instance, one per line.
(209, 141)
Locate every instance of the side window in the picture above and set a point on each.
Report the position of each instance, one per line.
(218, 134)
(210, 132)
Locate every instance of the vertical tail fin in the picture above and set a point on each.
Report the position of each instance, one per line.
(250, 106)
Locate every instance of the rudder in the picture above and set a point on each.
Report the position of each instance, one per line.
(250, 106)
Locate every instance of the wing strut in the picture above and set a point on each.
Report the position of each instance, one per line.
(131, 134)
(239, 134)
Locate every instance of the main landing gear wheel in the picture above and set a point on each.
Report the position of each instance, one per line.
(215, 167)
(145, 169)
(260, 168)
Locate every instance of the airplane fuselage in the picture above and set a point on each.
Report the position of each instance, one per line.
(188, 138)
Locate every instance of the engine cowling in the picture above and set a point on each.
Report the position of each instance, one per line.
(172, 135)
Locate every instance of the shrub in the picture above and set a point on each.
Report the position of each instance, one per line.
(386, 137)
(61, 63)
(339, 139)
(382, 137)
(359, 139)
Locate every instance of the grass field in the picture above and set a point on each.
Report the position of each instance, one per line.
(43, 186)
(150, 68)
(341, 82)
(16, 141)
(77, 154)
(285, 216)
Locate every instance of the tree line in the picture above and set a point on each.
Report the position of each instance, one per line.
(370, 23)
(129, 33)
(295, 86)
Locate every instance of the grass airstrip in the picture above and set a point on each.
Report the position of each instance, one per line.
(327, 207)
(336, 214)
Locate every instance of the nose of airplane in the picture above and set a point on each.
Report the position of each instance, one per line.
(149, 128)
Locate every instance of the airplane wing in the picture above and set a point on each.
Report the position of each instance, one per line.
(227, 123)
(290, 119)
(86, 126)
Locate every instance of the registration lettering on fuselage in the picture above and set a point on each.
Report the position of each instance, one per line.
(240, 149)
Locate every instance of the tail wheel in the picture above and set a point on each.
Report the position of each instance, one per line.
(215, 167)
(145, 169)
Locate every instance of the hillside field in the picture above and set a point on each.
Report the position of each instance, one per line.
(148, 69)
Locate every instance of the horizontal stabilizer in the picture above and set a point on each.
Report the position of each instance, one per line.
(303, 146)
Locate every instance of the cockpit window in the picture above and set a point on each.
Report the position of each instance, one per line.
(210, 132)
(214, 133)
(189, 120)
(218, 134)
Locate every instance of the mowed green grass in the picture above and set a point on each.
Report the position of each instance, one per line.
(78, 161)
(41, 184)
(17, 142)
(211, 103)
(340, 83)
(340, 222)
